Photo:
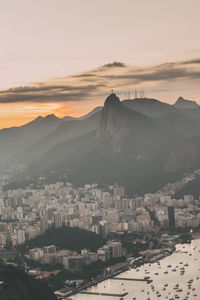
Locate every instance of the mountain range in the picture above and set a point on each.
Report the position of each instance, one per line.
(140, 143)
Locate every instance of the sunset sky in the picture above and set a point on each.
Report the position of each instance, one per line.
(64, 56)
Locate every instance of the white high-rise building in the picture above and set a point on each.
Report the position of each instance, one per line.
(21, 236)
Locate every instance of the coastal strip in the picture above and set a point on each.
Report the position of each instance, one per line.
(131, 279)
(104, 294)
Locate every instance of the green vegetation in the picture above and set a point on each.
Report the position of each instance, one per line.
(191, 188)
(18, 285)
(8, 255)
(153, 216)
(74, 239)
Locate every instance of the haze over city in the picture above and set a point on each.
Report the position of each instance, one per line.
(99, 149)
(64, 57)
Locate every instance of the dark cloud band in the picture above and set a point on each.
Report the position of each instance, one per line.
(95, 82)
(49, 93)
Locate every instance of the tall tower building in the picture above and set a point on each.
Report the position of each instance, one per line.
(171, 217)
(43, 224)
(21, 236)
(57, 220)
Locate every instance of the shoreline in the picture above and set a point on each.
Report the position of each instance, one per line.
(195, 236)
(127, 266)
(159, 257)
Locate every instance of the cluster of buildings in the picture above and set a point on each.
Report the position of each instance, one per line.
(172, 213)
(71, 259)
(26, 213)
(175, 213)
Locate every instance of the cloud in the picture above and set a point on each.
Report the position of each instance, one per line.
(48, 93)
(156, 75)
(84, 75)
(163, 72)
(115, 64)
(192, 61)
(95, 83)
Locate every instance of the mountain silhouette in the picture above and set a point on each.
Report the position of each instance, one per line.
(118, 144)
(182, 103)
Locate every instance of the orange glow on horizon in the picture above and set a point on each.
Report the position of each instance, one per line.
(19, 114)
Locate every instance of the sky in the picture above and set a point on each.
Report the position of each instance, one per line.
(64, 56)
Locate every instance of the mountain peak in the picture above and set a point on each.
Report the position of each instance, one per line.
(51, 116)
(110, 115)
(116, 119)
(38, 118)
(180, 98)
(184, 104)
(112, 99)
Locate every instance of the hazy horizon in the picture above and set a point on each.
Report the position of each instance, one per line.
(64, 57)
(129, 94)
